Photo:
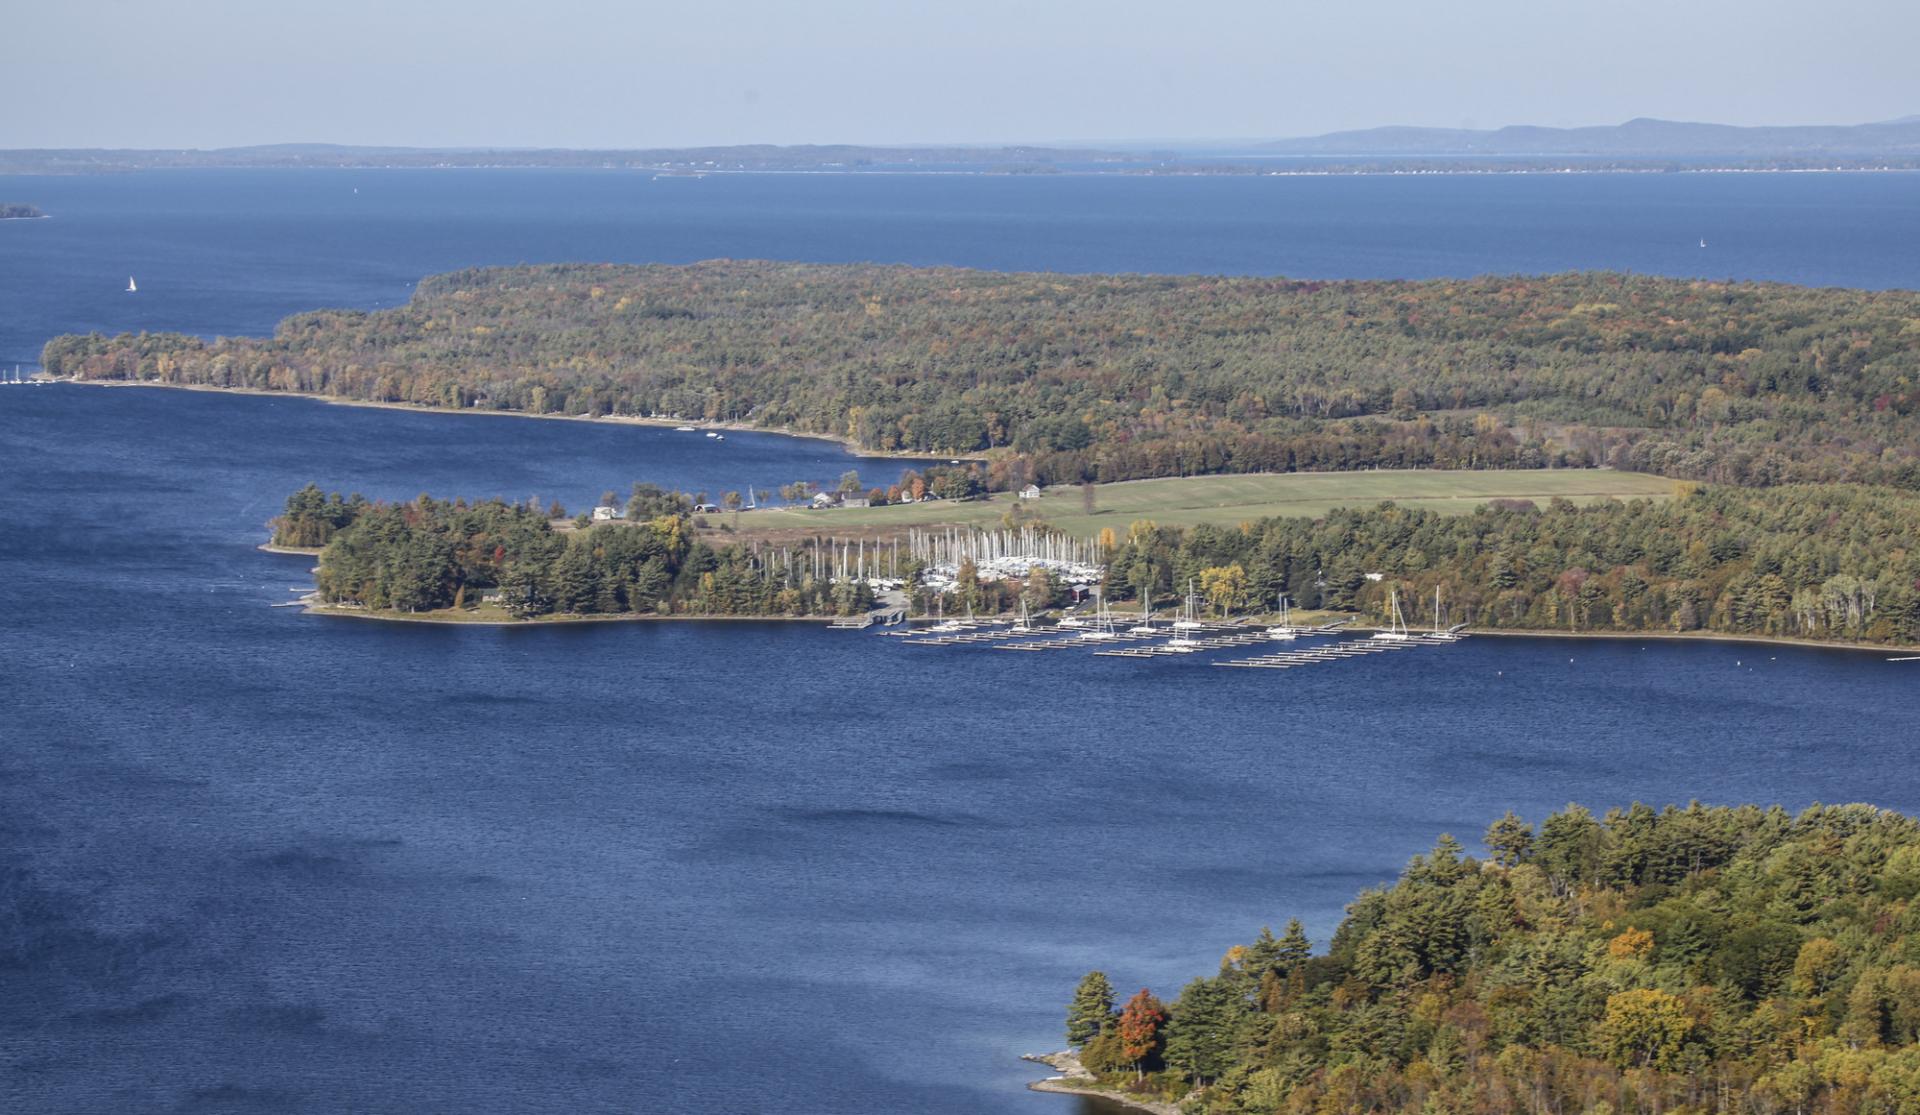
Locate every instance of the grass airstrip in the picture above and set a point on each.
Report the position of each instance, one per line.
(1221, 500)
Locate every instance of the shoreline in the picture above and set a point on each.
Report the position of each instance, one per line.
(1075, 1080)
(847, 444)
(441, 619)
(1688, 637)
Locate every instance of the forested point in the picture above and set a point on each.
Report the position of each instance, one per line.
(1067, 378)
(1678, 961)
(428, 555)
(18, 210)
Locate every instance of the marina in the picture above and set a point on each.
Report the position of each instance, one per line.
(1145, 642)
(1006, 555)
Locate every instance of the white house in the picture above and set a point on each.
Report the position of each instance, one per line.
(855, 501)
(823, 499)
(1031, 491)
(604, 513)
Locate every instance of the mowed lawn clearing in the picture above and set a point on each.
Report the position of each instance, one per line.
(1230, 500)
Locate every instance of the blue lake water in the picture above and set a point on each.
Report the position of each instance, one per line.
(235, 251)
(257, 861)
(260, 861)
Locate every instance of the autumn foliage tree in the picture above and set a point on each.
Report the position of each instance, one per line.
(1140, 1024)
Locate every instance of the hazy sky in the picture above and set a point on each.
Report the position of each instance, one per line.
(603, 73)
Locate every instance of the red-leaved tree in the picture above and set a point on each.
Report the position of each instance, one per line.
(1140, 1024)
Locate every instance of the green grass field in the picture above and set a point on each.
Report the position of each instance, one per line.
(1230, 500)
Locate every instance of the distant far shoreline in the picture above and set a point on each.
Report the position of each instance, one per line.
(611, 419)
(1064, 164)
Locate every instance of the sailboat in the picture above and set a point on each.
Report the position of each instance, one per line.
(1285, 631)
(1396, 631)
(1102, 623)
(1023, 625)
(1183, 641)
(1145, 626)
(1442, 634)
(131, 287)
(943, 626)
(1189, 612)
(1703, 241)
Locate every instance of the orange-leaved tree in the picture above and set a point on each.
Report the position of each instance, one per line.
(1140, 1023)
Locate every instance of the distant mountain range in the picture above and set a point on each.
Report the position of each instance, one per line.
(1642, 138)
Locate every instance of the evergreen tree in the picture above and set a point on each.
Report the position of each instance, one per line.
(1294, 949)
(1202, 1029)
(1510, 840)
(1091, 1010)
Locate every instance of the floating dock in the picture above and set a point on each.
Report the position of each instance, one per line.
(1308, 646)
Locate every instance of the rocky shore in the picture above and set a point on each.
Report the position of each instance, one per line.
(1075, 1080)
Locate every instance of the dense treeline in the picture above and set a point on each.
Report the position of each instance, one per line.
(313, 517)
(1810, 561)
(1110, 377)
(432, 554)
(1679, 961)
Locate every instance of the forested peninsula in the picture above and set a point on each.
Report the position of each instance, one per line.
(1065, 378)
(1832, 562)
(1680, 960)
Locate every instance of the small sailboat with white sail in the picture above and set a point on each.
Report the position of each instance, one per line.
(1183, 641)
(1284, 631)
(132, 287)
(1102, 626)
(1023, 625)
(942, 625)
(1396, 631)
(1189, 612)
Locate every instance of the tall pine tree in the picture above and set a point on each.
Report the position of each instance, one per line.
(1091, 1010)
